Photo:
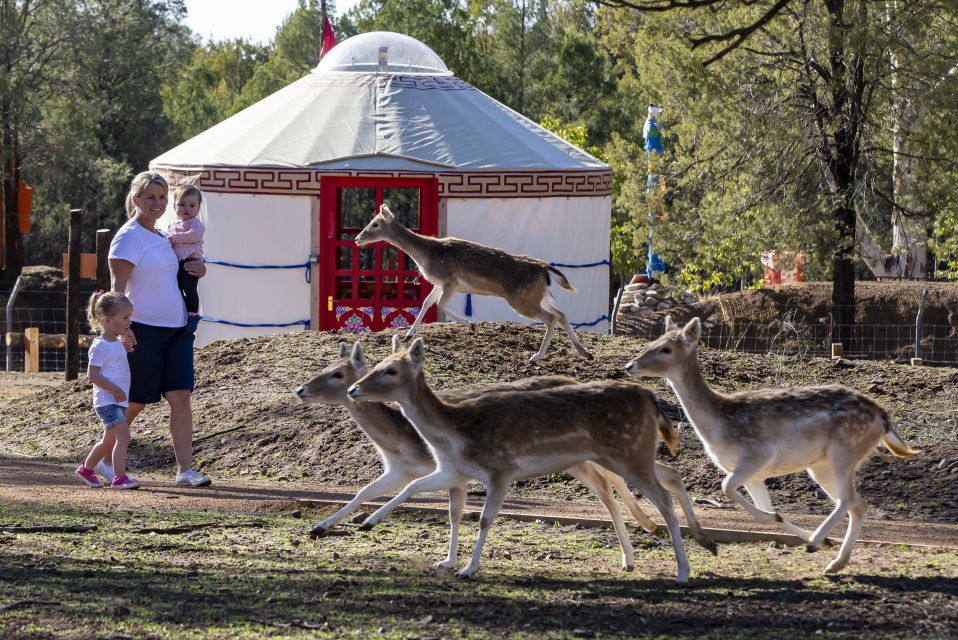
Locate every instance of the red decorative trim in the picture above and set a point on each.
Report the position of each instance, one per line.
(285, 181)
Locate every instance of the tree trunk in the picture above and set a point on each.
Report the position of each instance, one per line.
(10, 181)
(843, 279)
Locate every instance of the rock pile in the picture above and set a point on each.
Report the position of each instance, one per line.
(643, 298)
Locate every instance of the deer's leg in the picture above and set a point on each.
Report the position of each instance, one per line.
(539, 355)
(589, 475)
(444, 299)
(495, 496)
(564, 323)
(744, 472)
(671, 479)
(435, 481)
(457, 500)
(856, 517)
(644, 479)
(428, 302)
(630, 502)
(759, 493)
(837, 479)
(389, 481)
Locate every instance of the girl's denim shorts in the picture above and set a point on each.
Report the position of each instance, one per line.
(111, 414)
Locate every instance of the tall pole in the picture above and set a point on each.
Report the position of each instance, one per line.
(654, 186)
(73, 297)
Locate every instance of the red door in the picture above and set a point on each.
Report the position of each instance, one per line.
(374, 287)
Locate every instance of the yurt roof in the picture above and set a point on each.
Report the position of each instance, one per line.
(381, 101)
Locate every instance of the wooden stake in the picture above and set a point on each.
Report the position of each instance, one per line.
(31, 350)
(102, 263)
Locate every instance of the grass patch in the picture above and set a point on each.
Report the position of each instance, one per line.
(537, 580)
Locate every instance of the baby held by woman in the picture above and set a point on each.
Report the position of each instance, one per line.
(186, 234)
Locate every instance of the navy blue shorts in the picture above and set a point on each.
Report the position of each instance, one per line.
(161, 361)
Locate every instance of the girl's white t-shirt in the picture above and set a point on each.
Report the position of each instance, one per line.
(152, 288)
(111, 358)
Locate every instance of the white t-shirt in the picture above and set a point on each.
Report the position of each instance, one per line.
(152, 288)
(111, 358)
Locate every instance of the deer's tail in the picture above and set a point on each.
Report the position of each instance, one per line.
(560, 278)
(667, 431)
(896, 445)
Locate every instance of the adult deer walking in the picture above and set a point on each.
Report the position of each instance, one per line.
(501, 436)
(405, 456)
(758, 434)
(451, 265)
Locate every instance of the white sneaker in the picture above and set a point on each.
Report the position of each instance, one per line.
(106, 471)
(191, 478)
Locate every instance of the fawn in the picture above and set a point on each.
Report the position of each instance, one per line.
(405, 456)
(500, 436)
(764, 433)
(452, 264)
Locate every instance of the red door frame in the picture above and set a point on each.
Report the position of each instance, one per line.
(329, 228)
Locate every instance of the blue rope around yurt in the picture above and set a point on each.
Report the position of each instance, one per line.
(468, 308)
(305, 323)
(305, 266)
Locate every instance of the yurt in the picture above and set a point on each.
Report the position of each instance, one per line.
(291, 180)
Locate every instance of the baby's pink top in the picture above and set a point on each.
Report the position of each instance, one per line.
(187, 238)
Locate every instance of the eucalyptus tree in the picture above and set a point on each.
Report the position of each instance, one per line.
(34, 38)
(777, 113)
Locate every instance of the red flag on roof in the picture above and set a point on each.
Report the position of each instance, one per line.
(329, 39)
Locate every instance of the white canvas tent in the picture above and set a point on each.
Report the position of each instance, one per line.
(382, 113)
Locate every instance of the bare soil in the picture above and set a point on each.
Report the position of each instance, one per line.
(250, 425)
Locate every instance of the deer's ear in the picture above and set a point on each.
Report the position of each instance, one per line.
(358, 357)
(692, 331)
(386, 213)
(343, 349)
(669, 325)
(417, 351)
(397, 343)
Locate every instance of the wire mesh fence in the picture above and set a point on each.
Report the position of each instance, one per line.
(939, 344)
(45, 310)
(880, 332)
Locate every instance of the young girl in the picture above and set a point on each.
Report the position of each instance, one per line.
(109, 315)
(186, 235)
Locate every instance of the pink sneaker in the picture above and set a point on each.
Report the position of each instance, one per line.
(88, 476)
(124, 482)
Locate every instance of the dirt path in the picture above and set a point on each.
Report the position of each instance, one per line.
(28, 480)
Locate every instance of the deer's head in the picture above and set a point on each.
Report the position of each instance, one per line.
(393, 379)
(378, 228)
(333, 381)
(670, 354)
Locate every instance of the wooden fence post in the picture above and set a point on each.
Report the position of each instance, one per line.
(31, 350)
(73, 297)
(102, 263)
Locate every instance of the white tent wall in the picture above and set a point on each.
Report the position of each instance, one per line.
(570, 231)
(249, 229)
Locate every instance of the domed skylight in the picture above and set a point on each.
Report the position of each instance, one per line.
(382, 52)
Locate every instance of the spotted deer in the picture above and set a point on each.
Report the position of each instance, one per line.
(499, 436)
(765, 433)
(452, 264)
(405, 456)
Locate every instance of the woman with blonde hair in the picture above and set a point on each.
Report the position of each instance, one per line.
(144, 267)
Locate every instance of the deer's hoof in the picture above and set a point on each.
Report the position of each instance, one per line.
(711, 547)
(588, 356)
(836, 565)
(812, 548)
(318, 532)
(628, 567)
(466, 573)
(366, 526)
